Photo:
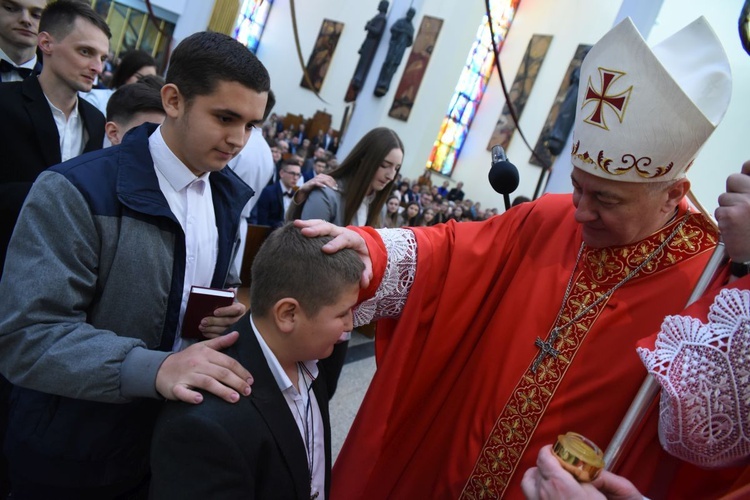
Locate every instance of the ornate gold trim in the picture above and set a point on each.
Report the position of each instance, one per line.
(602, 268)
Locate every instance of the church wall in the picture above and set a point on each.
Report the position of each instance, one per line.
(585, 22)
(727, 148)
(461, 20)
(277, 51)
(570, 23)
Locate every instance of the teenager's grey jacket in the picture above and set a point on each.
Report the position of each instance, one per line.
(91, 298)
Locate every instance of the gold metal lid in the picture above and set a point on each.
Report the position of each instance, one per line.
(579, 456)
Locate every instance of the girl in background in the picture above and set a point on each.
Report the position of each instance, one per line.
(411, 214)
(364, 180)
(392, 217)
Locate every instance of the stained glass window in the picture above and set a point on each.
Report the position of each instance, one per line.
(251, 21)
(470, 88)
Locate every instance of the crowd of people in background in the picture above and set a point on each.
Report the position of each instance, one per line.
(419, 202)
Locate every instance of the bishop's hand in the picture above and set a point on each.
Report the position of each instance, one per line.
(548, 480)
(342, 238)
(733, 215)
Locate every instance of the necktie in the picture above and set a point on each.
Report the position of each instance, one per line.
(7, 67)
(289, 194)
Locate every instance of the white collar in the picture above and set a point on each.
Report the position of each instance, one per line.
(28, 64)
(174, 171)
(282, 380)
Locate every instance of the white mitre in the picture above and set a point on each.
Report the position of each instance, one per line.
(643, 114)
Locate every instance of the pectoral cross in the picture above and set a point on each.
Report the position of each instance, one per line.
(546, 349)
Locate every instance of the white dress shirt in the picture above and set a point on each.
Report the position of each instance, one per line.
(189, 198)
(70, 129)
(285, 199)
(298, 400)
(254, 164)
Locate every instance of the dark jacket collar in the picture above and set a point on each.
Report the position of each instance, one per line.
(271, 404)
(44, 121)
(138, 188)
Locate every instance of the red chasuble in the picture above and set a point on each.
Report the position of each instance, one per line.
(454, 410)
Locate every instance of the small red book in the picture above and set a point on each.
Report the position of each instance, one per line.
(202, 302)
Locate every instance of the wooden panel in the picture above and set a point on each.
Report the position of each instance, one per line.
(320, 59)
(416, 66)
(541, 147)
(256, 235)
(520, 90)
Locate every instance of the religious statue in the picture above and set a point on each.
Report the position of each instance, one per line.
(402, 36)
(375, 28)
(560, 131)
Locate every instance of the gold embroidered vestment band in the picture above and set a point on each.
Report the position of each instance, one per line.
(602, 269)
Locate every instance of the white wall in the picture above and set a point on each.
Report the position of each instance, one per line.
(727, 148)
(571, 22)
(460, 23)
(277, 51)
(562, 20)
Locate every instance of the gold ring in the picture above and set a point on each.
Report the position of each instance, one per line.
(579, 456)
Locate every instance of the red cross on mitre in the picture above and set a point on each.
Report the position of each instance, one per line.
(616, 102)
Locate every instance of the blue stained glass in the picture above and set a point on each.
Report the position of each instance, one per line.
(470, 88)
(450, 159)
(460, 137)
(251, 21)
(468, 115)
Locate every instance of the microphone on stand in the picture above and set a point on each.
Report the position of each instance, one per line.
(503, 175)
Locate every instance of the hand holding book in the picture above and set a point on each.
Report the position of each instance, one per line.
(202, 303)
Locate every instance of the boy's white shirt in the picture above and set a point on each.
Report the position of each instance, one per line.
(297, 401)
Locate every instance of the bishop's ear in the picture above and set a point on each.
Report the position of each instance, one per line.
(676, 192)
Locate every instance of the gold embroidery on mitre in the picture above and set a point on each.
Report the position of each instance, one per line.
(628, 162)
(602, 269)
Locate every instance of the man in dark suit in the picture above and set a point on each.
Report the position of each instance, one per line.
(31, 138)
(327, 143)
(275, 199)
(457, 193)
(275, 443)
(36, 136)
(308, 167)
(19, 27)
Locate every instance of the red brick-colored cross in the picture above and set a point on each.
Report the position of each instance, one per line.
(616, 102)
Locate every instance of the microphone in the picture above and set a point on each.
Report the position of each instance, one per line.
(503, 175)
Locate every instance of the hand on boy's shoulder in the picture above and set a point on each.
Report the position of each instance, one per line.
(202, 366)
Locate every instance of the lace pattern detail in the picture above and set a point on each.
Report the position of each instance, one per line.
(390, 297)
(704, 371)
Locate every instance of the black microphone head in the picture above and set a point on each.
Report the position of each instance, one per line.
(503, 175)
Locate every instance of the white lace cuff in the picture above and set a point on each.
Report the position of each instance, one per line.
(704, 371)
(390, 297)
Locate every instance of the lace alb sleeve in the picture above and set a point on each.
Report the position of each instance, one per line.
(390, 297)
(704, 371)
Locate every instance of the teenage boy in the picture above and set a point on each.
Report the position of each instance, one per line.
(275, 199)
(276, 443)
(132, 105)
(19, 28)
(100, 266)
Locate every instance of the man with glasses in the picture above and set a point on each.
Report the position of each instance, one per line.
(275, 199)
